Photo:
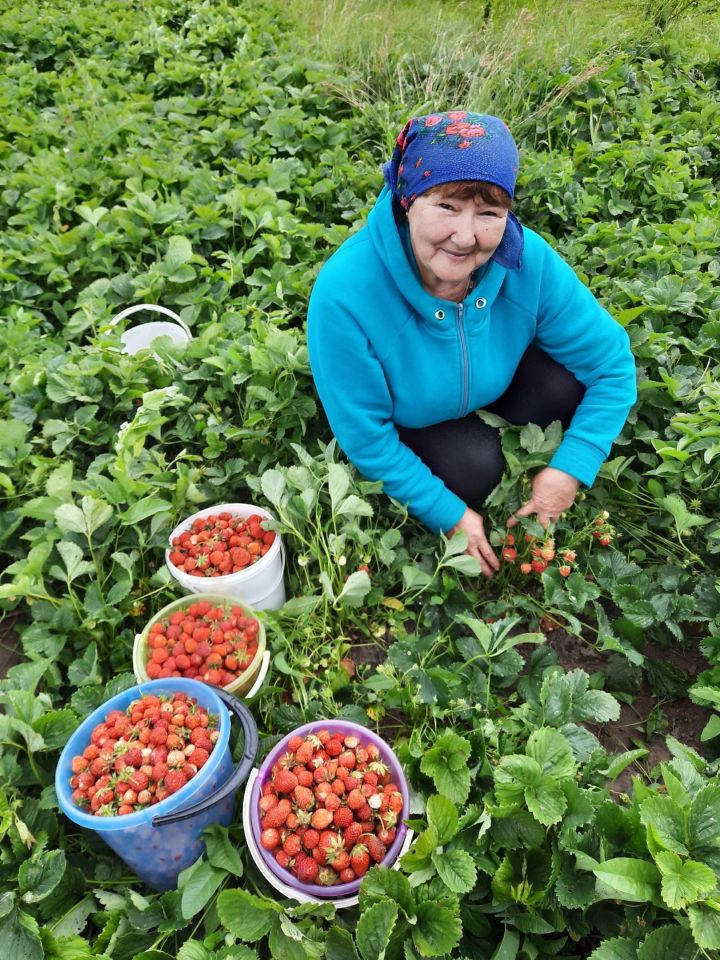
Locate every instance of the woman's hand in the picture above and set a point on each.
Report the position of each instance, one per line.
(552, 492)
(478, 546)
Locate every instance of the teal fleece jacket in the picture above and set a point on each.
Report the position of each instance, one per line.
(384, 352)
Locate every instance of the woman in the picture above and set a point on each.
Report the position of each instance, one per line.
(443, 304)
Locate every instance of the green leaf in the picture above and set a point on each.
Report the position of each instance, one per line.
(671, 940)
(354, 506)
(711, 729)
(272, 484)
(419, 854)
(437, 931)
(39, 876)
(508, 947)
(621, 761)
(338, 483)
(221, 852)
(20, 936)
(96, 512)
(619, 948)
(199, 887)
(704, 820)
(70, 518)
(464, 564)
(705, 924)
(383, 883)
(143, 509)
(374, 928)
(456, 869)
(442, 814)
(179, 252)
(446, 763)
(546, 802)
(339, 945)
(683, 882)
(194, 950)
(72, 557)
(665, 822)
(552, 751)
(356, 588)
(246, 916)
(635, 880)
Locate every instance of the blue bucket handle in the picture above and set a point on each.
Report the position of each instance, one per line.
(239, 774)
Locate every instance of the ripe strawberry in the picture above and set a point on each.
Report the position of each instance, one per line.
(322, 818)
(347, 759)
(307, 870)
(343, 818)
(339, 861)
(304, 797)
(360, 859)
(539, 565)
(311, 838)
(270, 838)
(355, 799)
(304, 752)
(376, 848)
(509, 554)
(605, 540)
(332, 802)
(285, 781)
(175, 780)
(333, 747)
(292, 845)
(267, 802)
(330, 845)
(278, 815)
(347, 875)
(525, 568)
(564, 571)
(283, 859)
(352, 834)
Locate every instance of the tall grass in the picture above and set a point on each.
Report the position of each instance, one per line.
(413, 56)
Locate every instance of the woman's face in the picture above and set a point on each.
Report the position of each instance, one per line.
(451, 237)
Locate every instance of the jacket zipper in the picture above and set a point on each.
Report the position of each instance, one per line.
(465, 371)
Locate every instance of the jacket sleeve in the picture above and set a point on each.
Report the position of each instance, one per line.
(354, 392)
(580, 334)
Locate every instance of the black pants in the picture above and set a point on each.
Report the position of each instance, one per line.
(466, 454)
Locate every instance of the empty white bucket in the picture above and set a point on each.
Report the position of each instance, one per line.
(261, 585)
(143, 335)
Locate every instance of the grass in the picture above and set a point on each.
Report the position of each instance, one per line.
(419, 55)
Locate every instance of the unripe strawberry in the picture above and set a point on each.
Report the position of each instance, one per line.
(565, 571)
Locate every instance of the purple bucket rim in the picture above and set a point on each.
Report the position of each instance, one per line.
(142, 817)
(339, 890)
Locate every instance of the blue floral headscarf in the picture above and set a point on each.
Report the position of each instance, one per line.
(446, 147)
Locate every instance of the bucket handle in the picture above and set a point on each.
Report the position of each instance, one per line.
(239, 774)
(154, 308)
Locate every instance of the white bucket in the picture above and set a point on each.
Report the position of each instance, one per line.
(261, 585)
(143, 335)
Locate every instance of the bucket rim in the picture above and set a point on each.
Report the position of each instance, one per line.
(177, 800)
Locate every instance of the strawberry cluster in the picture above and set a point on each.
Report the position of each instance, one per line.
(219, 544)
(329, 808)
(140, 756)
(537, 554)
(204, 642)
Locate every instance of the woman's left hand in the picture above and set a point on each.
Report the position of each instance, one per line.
(552, 492)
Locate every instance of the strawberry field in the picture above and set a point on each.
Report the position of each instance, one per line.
(558, 728)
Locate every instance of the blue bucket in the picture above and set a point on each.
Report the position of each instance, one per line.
(159, 842)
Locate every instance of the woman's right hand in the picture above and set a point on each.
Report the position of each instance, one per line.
(478, 546)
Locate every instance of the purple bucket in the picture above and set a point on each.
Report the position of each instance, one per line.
(344, 728)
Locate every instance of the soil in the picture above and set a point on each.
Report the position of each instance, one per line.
(10, 650)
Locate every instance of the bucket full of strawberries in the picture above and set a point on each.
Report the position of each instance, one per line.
(230, 549)
(150, 769)
(327, 803)
(211, 638)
